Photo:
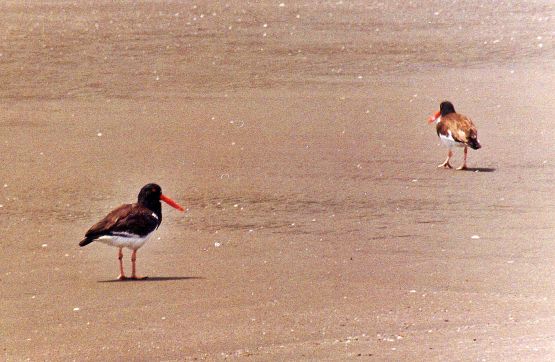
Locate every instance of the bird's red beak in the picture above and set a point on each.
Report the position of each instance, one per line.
(170, 202)
(433, 117)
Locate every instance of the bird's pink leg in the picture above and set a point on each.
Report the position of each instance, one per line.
(446, 164)
(463, 167)
(134, 270)
(121, 273)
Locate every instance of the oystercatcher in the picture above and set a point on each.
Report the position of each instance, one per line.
(454, 130)
(130, 225)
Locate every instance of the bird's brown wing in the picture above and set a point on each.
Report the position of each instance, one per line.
(107, 224)
(139, 221)
(126, 219)
(461, 127)
(129, 218)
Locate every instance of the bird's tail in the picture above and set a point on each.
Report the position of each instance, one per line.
(85, 241)
(474, 144)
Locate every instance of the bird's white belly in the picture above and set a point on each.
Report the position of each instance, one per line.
(449, 141)
(124, 240)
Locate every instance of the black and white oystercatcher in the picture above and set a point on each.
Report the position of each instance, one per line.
(130, 225)
(454, 130)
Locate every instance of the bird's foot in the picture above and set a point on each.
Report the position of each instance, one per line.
(463, 167)
(445, 165)
(122, 277)
(138, 277)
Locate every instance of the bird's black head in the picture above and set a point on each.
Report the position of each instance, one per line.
(446, 108)
(149, 197)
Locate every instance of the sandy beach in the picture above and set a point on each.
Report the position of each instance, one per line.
(318, 226)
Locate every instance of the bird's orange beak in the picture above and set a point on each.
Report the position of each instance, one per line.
(433, 117)
(170, 202)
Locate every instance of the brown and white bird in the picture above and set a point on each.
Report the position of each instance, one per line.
(130, 225)
(454, 130)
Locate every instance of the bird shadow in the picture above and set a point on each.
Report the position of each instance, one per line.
(149, 279)
(480, 169)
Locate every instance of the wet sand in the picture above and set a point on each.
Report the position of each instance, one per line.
(295, 136)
